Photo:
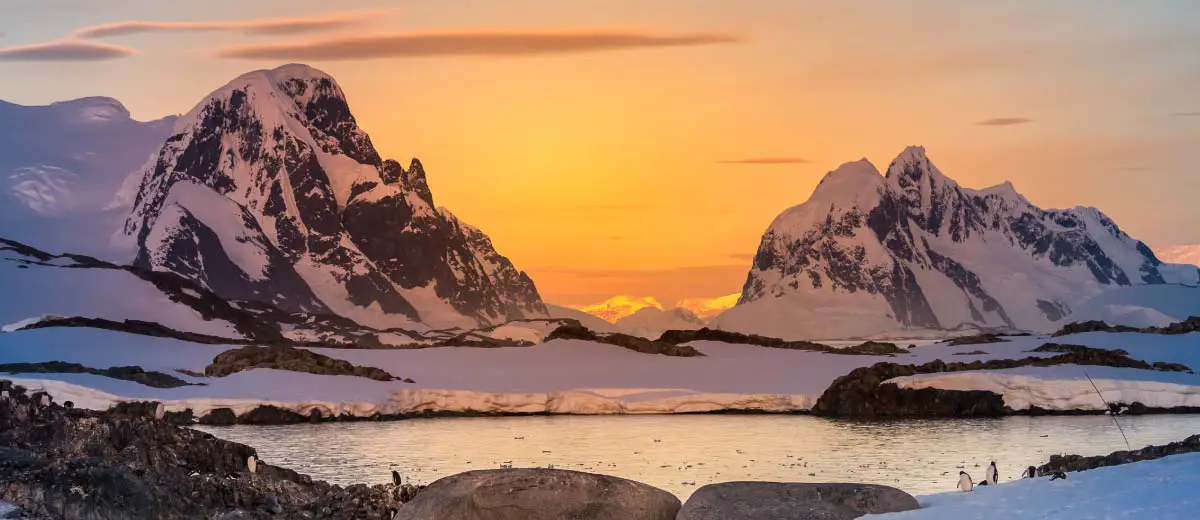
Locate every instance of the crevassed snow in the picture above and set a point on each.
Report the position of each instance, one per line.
(1162, 489)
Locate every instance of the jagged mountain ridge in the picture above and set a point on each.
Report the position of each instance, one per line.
(268, 190)
(869, 253)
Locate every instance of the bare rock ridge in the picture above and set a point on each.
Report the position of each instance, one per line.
(268, 190)
(913, 249)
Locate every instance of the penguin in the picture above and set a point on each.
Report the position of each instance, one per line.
(396, 478)
(393, 513)
(991, 473)
(1058, 475)
(44, 400)
(983, 482)
(207, 436)
(1030, 472)
(964, 482)
(159, 411)
(3, 395)
(68, 405)
(252, 464)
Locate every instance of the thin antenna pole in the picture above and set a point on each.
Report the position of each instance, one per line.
(1111, 410)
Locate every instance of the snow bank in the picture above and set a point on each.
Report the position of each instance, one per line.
(1066, 387)
(1140, 306)
(515, 332)
(581, 377)
(1159, 489)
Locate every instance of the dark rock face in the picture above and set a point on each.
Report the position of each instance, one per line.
(868, 348)
(634, 343)
(289, 358)
(300, 185)
(76, 464)
(539, 494)
(862, 392)
(1067, 463)
(135, 374)
(918, 219)
(978, 339)
(793, 501)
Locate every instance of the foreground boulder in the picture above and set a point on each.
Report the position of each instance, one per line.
(539, 494)
(782, 501)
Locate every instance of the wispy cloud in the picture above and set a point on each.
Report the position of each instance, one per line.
(1004, 121)
(1135, 168)
(742, 257)
(258, 27)
(65, 50)
(766, 160)
(483, 43)
(1186, 114)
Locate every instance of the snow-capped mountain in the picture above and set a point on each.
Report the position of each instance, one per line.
(60, 165)
(871, 253)
(651, 322)
(269, 191)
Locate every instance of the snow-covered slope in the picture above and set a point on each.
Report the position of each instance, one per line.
(588, 320)
(1161, 489)
(61, 164)
(1140, 306)
(870, 253)
(268, 190)
(651, 322)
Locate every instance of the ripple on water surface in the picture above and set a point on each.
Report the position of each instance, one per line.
(682, 452)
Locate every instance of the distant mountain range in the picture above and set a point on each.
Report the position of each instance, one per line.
(870, 253)
(267, 208)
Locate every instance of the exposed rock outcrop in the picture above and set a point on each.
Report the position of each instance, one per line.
(289, 358)
(1116, 458)
(1187, 326)
(539, 494)
(135, 374)
(868, 348)
(65, 463)
(634, 343)
(793, 501)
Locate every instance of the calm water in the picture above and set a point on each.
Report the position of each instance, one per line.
(681, 453)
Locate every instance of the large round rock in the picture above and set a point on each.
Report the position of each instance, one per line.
(539, 494)
(780, 501)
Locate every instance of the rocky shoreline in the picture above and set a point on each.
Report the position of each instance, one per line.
(130, 462)
(124, 463)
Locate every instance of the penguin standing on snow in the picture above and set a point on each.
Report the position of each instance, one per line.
(1030, 472)
(991, 474)
(964, 482)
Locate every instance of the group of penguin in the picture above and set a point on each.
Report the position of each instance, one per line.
(991, 476)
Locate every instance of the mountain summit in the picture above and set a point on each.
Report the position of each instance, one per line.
(269, 191)
(871, 253)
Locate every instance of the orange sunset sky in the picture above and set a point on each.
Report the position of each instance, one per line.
(641, 147)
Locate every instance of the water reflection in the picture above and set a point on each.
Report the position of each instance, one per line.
(681, 453)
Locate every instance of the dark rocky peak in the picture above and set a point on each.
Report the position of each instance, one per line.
(414, 179)
(323, 105)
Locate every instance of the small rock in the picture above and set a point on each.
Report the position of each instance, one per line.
(10, 510)
(271, 505)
